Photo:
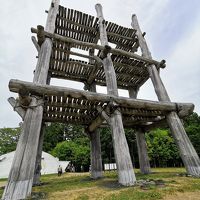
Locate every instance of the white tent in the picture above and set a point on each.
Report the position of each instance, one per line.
(49, 164)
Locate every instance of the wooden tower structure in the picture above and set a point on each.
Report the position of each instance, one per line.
(39, 102)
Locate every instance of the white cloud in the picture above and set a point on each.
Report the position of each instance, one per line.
(183, 68)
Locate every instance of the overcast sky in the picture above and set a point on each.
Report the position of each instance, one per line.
(173, 34)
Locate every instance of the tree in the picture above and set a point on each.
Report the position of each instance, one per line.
(192, 127)
(58, 132)
(71, 151)
(8, 139)
(162, 149)
(54, 133)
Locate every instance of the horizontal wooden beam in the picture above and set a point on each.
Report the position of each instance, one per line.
(96, 46)
(41, 90)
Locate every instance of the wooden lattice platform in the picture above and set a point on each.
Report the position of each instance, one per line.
(79, 26)
(73, 106)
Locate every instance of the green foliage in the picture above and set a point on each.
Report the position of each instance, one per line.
(107, 146)
(8, 139)
(57, 132)
(192, 126)
(161, 147)
(53, 134)
(78, 154)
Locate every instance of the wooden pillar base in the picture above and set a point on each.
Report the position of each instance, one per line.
(187, 152)
(21, 174)
(142, 152)
(126, 175)
(96, 161)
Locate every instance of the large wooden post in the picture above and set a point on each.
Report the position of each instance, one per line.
(141, 143)
(95, 155)
(20, 179)
(95, 148)
(186, 149)
(38, 166)
(126, 174)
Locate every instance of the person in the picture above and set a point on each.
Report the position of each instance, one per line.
(59, 170)
(68, 168)
(72, 168)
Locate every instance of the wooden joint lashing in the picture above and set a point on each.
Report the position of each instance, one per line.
(52, 5)
(46, 11)
(24, 98)
(113, 106)
(105, 113)
(87, 86)
(143, 34)
(40, 34)
(105, 52)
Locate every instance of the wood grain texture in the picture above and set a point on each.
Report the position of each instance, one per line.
(186, 149)
(41, 90)
(20, 179)
(38, 166)
(17, 107)
(126, 174)
(95, 149)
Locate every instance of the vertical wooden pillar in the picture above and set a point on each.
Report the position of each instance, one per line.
(95, 149)
(142, 152)
(186, 149)
(20, 179)
(141, 143)
(95, 155)
(126, 174)
(38, 166)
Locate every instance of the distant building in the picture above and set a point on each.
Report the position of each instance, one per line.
(49, 164)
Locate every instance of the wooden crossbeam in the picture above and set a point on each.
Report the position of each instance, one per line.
(96, 46)
(41, 90)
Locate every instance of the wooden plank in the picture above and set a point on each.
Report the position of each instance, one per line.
(187, 152)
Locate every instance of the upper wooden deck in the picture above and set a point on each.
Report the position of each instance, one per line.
(130, 72)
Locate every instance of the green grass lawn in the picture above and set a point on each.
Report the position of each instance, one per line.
(79, 186)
